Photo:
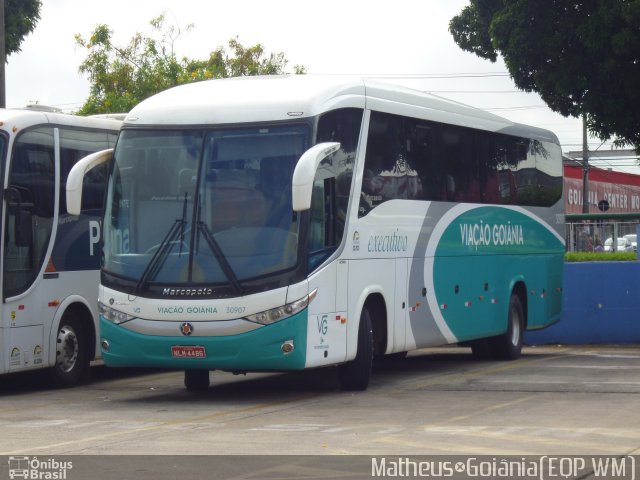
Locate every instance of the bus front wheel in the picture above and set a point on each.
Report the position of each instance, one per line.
(71, 353)
(355, 375)
(196, 380)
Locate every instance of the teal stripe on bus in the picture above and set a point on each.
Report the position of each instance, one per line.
(479, 258)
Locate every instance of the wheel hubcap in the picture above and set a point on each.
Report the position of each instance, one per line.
(67, 349)
(515, 327)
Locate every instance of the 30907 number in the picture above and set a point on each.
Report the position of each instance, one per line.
(236, 310)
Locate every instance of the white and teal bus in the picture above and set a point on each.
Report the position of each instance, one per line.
(50, 260)
(292, 222)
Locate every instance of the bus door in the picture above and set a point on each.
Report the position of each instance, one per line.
(327, 339)
(30, 201)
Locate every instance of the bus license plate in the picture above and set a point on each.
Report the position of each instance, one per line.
(188, 352)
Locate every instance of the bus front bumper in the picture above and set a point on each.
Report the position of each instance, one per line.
(262, 349)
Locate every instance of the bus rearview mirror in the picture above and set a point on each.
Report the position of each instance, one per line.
(305, 171)
(76, 177)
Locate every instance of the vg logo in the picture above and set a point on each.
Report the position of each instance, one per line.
(323, 324)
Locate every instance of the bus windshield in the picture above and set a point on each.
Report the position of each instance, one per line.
(202, 207)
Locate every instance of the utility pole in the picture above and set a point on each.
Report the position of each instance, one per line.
(3, 58)
(585, 166)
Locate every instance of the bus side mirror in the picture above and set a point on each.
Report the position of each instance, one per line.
(76, 177)
(305, 171)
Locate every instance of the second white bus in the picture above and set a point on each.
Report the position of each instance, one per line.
(49, 260)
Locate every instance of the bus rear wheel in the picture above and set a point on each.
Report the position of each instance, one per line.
(72, 361)
(355, 375)
(196, 380)
(507, 346)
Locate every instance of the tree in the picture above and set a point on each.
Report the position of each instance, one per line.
(582, 57)
(20, 18)
(121, 77)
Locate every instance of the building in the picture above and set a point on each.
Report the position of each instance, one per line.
(609, 191)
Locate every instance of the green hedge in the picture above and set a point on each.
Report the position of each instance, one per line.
(600, 256)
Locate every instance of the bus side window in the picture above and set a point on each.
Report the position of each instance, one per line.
(318, 212)
(489, 160)
(422, 156)
(343, 126)
(326, 225)
(396, 162)
(549, 173)
(461, 165)
(377, 183)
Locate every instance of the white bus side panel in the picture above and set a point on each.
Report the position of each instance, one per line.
(389, 247)
(23, 321)
(368, 277)
(23, 349)
(30, 323)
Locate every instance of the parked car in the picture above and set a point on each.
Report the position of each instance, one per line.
(623, 245)
(633, 238)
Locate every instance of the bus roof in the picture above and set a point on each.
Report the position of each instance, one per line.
(284, 97)
(16, 119)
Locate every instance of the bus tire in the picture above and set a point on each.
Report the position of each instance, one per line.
(72, 361)
(355, 375)
(196, 380)
(507, 346)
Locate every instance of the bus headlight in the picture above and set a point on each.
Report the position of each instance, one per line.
(113, 315)
(280, 313)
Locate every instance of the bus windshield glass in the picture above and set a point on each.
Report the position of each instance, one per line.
(202, 207)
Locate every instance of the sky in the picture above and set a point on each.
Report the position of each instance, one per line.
(401, 41)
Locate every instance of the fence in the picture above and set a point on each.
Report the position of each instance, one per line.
(600, 306)
(601, 232)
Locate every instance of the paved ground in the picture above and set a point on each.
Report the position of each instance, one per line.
(554, 400)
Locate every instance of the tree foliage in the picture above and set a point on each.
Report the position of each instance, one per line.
(20, 18)
(122, 76)
(582, 57)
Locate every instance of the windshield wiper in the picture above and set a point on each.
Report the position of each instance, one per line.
(162, 252)
(219, 254)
